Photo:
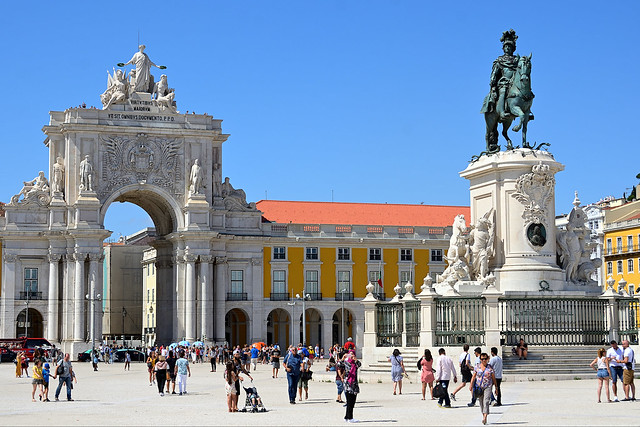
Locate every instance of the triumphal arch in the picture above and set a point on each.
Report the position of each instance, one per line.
(138, 148)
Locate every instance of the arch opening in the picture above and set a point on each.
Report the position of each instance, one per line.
(313, 327)
(279, 328)
(29, 323)
(342, 331)
(236, 325)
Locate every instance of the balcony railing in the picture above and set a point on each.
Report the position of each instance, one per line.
(236, 296)
(30, 295)
(315, 296)
(382, 296)
(280, 296)
(348, 296)
(621, 249)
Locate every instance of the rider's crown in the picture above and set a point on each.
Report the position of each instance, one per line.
(509, 37)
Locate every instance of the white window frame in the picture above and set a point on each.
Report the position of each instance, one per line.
(284, 254)
(372, 253)
(339, 282)
(232, 281)
(629, 243)
(609, 246)
(310, 281)
(344, 250)
(309, 253)
(432, 252)
(273, 281)
(609, 268)
(619, 267)
(410, 253)
(630, 265)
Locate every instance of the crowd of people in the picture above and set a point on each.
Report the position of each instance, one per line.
(613, 364)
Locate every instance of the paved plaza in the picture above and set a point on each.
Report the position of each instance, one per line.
(114, 397)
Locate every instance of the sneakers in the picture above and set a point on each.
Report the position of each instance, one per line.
(453, 397)
(57, 400)
(353, 420)
(69, 400)
(615, 399)
(161, 394)
(470, 405)
(447, 406)
(180, 393)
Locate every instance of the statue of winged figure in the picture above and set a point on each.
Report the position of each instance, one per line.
(117, 89)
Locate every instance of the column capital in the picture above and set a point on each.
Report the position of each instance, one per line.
(79, 256)
(190, 258)
(221, 260)
(206, 258)
(9, 257)
(93, 257)
(256, 261)
(164, 263)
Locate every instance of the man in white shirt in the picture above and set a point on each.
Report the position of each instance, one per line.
(496, 364)
(614, 354)
(628, 365)
(444, 370)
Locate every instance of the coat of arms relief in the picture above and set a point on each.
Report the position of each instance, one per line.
(144, 160)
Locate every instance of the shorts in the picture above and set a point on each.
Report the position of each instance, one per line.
(303, 383)
(230, 389)
(340, 386)
(46, 384)
(38, 382)
(627, 377)
(466, 376)
(172, 378)
(276, 364)
(603, 373)
(616, 372)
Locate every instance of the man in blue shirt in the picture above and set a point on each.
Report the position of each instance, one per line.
(291, 364)
(254, 357)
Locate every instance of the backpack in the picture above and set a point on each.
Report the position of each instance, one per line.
(464, 366)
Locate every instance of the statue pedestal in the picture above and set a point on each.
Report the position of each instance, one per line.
(520, 186)
(87, 209)
(196, 212)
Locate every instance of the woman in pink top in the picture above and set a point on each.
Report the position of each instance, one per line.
(484, 379)
(427, 378)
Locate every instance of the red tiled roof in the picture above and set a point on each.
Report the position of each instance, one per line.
(283, 211)
(636, 216)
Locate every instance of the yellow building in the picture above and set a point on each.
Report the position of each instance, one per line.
(622, 244)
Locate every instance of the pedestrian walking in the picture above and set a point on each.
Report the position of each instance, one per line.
(275, 361)
(305, 376)
(254, 356)
(350, 367)
(37, 380)
(19, 359)
(46, 373)
(151, 362)
(230, 378)
(182, 369)
(127, 361)
(496, 364)
(465, 370)
(444, 371)
(161, 373)
(64, 370)
(339, 369)
(171, 369)
(628, 367)
(477, 352)
(481, 382)
(397, 370)
(614, 354)
(601, 365)
(291, 362)
(426, 376)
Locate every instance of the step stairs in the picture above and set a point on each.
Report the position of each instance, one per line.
(550, 363)
(410, 358)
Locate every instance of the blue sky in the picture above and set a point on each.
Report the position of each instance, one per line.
(376, 100)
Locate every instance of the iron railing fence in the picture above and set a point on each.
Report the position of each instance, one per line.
(553, 321)
(460, 321)
(628, 319)
(412, 323)
(389, 324)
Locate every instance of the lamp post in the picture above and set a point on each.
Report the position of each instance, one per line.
(293, 306)
(304, 298)
(92, 300)
(342, 291)
(124, 314)
(26, 316)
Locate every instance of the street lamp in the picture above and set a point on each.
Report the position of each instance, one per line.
(304, 298)
(92, 300)
(26, 316)
(293, 306)
(342, 291)
(124, 314)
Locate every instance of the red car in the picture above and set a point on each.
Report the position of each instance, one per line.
(26, 345)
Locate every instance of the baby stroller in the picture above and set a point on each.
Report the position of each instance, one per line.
(253, 402)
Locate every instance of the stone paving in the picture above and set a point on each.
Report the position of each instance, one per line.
(114, 397)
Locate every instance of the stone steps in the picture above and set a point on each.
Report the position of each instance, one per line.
(546, 363)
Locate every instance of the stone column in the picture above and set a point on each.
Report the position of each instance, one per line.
(179, 303)
(258, 319)
(370, 333)
(190, 297)
(206, 299)
(219, 289)
(78, 298)
(327, 331)
(8, 294)
(492, 317)
(94, 290)
(52, 317)
(165, 293)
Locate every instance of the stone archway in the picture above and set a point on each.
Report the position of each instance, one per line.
(237, 327)
(313, 327)
(337, 334)
(279, 328)
(33, 326)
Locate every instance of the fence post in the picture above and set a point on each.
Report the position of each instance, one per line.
(370, 325)
(492, 319)
(613, 315)
(427, 314)
(407, 298)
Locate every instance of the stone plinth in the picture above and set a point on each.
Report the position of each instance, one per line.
(520, 186)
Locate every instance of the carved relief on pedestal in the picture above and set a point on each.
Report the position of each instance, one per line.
(143, 160)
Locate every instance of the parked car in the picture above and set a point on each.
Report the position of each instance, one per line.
(85, 356)
(7, 355)
(136, 355)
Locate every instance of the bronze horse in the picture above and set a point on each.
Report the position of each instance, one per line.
(519, 100)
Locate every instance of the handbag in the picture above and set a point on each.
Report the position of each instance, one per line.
(60, 369)
(306, 375)
(477, 390)
(439, 391)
